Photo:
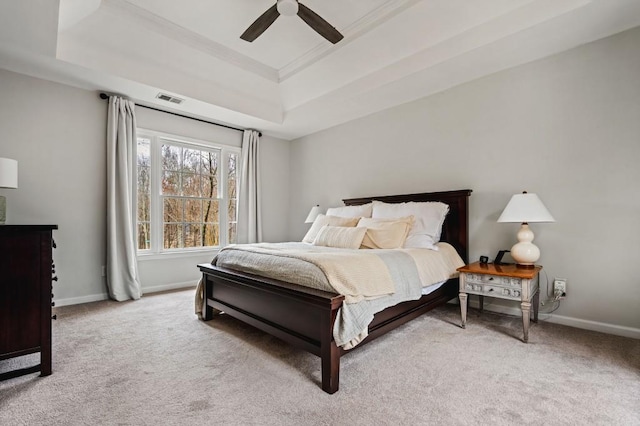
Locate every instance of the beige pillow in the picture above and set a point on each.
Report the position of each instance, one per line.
(340, 237)
(324, 220)
(385, 233)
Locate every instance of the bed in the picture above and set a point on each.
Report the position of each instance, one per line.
(304, 316)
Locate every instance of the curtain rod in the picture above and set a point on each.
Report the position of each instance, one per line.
(105, 96)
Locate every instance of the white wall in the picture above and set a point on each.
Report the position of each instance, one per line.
(58, 135)
(566, 127)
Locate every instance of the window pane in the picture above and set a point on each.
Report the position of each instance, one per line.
(191, 185)
(211, 234)
(209, 174)
(193, 235)
(144, 242)
(232, 211)
(144, 179)
(233, 234)
(143, 163)
(191, 160)
(193, 211)
(170, 183)
(211, 210)
(232, 176)
(172, 236)
(171, 157)
(173, 208)
(144, 207)
(144, 152)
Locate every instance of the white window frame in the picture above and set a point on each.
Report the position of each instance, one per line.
(156, 245)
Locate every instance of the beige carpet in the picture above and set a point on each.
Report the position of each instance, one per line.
(151, 362)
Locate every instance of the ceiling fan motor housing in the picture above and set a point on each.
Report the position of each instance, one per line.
(288, 7)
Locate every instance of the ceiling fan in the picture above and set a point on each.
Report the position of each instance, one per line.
(290, 8)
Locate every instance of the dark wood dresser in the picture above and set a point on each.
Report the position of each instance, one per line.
(26, 274)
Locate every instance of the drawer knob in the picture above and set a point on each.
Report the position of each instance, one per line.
(53, 303)
(54, 317)
(54, 279)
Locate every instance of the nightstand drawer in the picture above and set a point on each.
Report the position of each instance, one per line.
(493, 290)
(494, 280)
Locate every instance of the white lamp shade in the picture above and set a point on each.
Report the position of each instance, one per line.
(8, 173)
(525, 208)
(313, 213)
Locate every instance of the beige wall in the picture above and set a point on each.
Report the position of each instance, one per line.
(58, 135)
(566, 127)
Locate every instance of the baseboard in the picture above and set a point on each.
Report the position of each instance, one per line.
(617, 330)
(603, 327)
(105, 296)
(165, 287)
(80, 300)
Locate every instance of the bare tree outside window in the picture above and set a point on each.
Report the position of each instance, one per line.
(191, 195)
(144, 193)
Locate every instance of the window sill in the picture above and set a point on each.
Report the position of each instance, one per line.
(143, 257)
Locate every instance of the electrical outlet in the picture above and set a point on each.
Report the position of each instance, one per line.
(560, 286)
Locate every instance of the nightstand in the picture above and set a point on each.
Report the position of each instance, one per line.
(510, 282)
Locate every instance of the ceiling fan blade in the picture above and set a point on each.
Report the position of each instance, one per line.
(261, 24)
(320, 26)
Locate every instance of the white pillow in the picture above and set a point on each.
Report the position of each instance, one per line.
(428, 219)
(323, 220)
(340, 237)
(385, 233)
(351, 211)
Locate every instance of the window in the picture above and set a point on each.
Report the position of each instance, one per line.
(186, 194)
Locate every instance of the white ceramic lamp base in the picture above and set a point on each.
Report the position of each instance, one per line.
(524, 252)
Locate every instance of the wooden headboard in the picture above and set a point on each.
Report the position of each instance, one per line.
(455, 230)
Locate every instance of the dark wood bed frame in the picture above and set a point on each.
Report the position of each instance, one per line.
(304, 316)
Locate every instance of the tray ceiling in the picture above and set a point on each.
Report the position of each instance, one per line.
(290, 81)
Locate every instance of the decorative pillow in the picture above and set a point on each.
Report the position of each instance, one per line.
(340, 237)
(429, 217)
(385, 233)
(323, 220)
(351, 211)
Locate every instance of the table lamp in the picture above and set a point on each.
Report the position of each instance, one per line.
(525, 208)
(8, 179)
(313, 213)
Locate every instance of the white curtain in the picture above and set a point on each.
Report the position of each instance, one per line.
(122, 265)
(249, 216)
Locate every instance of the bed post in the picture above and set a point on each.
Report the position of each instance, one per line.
(207, 311)
(329, 353)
